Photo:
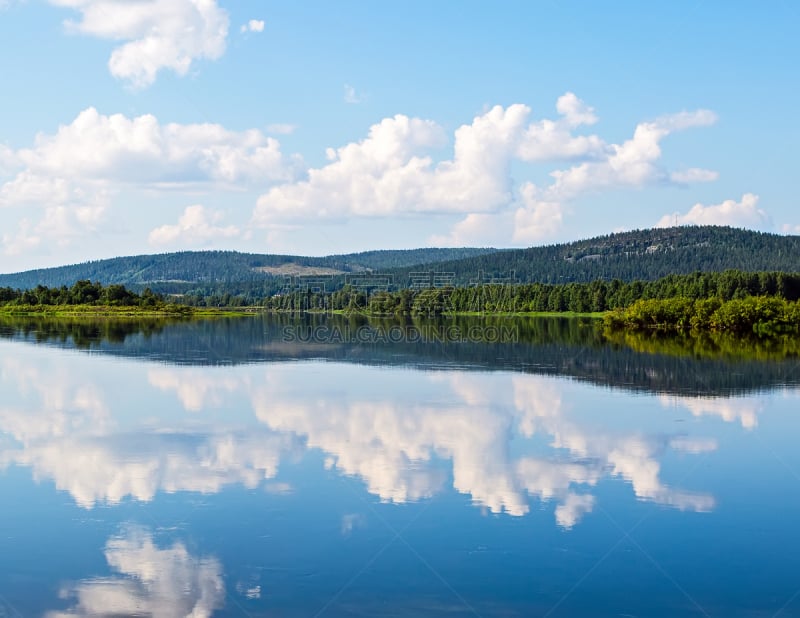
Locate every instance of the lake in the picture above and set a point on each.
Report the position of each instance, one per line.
(340, 466)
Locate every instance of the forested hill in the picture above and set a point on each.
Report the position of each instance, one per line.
(225, 267)
(641, 254)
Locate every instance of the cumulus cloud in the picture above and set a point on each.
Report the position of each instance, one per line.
(549, 140)
(71, 210)
(116, 148)
(388, 173)
(788, 228)
(196, 226)
(253, 25)
(158, 34)
(744, 213)
(151, 581)
(392, 171)
(535, 218)
(29, 188)
(59, 226)
(70, 177)
(634, 163)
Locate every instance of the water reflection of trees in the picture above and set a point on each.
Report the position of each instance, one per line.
(80, 332)
(707, 365)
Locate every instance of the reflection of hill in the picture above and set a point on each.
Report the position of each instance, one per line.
(548, 346)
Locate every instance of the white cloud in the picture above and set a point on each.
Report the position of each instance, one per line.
(253, 25)
(160, 34)
(549, 140)
(575, 111)
(281, 128)
(744, 213)
(475, 229)
(634, 163)
(392, 173)
(536, 219)
(59, 225)
(8, 160)
(24, 240)
(141, 150)
(196, 226)
(154, 581)
(692, 175)
(388, 173)
(788, 228)
(70, 176)
(351, 96)
(30, 188)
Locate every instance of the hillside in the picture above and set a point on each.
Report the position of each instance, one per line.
(168, 270)
(642, 254)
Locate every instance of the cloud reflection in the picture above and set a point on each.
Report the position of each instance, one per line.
(730, 409)
(110, 468)
(506, 440)
(63, 429)
(195, 389)
(150, 581)
(394, 445)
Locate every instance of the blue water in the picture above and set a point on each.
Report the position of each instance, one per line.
(416, 482)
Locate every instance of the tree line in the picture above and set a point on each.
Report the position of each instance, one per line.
(683, 292)
(766, 315)
(83, 292)
(597, 296)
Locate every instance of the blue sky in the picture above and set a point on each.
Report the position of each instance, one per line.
(158, 125)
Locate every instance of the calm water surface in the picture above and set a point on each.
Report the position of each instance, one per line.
(248, 468)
